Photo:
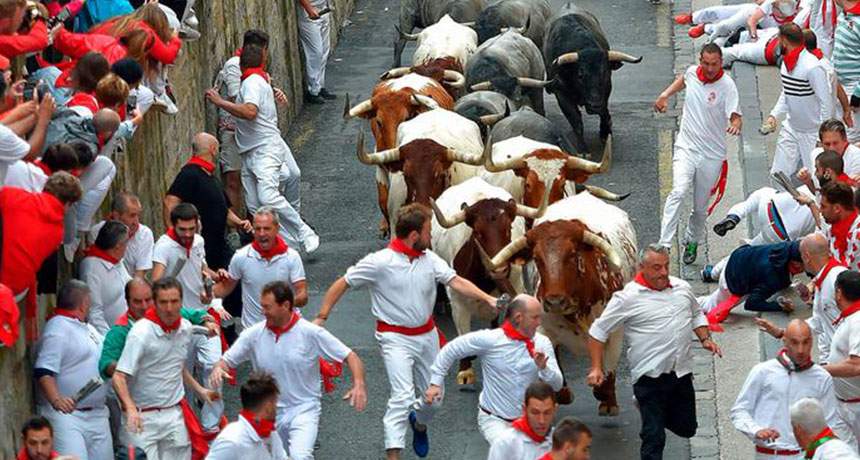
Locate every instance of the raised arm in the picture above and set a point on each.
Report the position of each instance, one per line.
(662, 102)
(332, 296)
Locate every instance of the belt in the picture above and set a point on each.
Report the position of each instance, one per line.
(509, 420)
(849, 401)
(767, 451)
(152, 409)
(84, 409)
(382, 326)
(776, 221)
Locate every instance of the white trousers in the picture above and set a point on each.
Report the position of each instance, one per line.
(271, 177)
(853, 133)
(203, 353)
(95, 182)
(298, 427)
(793, 150)
(722, 292)
(749, 51)
(755, 207)
(492, 427)
(164, 436)
(850, 413)
(316, 44)
(722, 21)
(86, 435)
(407, 362)
(760, 456)
(689, 170)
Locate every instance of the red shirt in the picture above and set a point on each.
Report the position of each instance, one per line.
(35, 40)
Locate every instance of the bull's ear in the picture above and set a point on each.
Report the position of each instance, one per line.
(615, 65)
(395, 166)
(523, 257)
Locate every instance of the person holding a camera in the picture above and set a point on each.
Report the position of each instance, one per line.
(23, 27)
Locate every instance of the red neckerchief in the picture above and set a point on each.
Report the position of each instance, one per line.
(641, 280)
(826, 435)
(831, 264)
(22, 454)
(845, 179)
(514, 334)
(173, 236)
(397, 245)
(278, 331)
(255, 71)
(522, 425)
(790, 58)
(785, 361)
(853, 308)
(818, 53)
(262, 426)
(167, 328)
(840, 231)
(280, 247)
(238, 52)
(45, 169)
(84, 100)
(197, 161)
(700, 72)
(67, 313)
(95, 251)
(546, 456)
(786, 20)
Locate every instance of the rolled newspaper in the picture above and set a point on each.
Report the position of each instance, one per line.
(92, 385)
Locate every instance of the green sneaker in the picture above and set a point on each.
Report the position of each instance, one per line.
(690, 252)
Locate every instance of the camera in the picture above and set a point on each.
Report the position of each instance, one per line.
(31, 88)
(62, 16)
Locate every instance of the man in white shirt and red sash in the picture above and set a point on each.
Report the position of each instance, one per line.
(761, 409)
(402, 279)
(658, 312)
(290, 348)
(711, 110)
(530, 435)
(837, 210)
(253, 434)
(811, 431)
(512, 357)
(844, 360)
(571, 440)
(103, 271)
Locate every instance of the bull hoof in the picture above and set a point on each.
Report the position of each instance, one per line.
(564, 396)
(605, 410)
(466, 377)
(383, 229)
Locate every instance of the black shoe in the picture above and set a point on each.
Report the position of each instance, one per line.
(314, 99)
(327, 95)
(730, 222)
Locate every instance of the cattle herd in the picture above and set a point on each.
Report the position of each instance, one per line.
(463, 131)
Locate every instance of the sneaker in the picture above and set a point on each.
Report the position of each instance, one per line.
(690, 252)
(684, 19)
(327, 95)
(420, 440)
(315, 99)
(708, 274)
(311, 243)
(165, 104)
(729, 223)
(696, 31)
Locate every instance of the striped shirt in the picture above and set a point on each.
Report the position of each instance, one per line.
(846, 49)
(806, 96)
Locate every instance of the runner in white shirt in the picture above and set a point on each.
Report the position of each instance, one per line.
(843, 223)
(290, 348)
(253, 434)
(512, 357)
(710, 111)
(67, 360)
(658, 312)
(844, 360)
(761, 409)
(268, 165)
(32, 175)
(571, 440)
(530, 435)
(832, 136)
(102, 270)
(266, 259)
(775, 216)
(149, 378)
(723, 20)
(811, 431)
(402, 280)
(127, 208)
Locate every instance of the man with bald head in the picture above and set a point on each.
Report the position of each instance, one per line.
(761, 410)
(512, 357)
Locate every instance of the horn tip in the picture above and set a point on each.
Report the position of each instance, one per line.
(623, 197)
(346, 107)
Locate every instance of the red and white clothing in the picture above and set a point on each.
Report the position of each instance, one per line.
(776, 216)
(700, 151)
(402, 294)
(107, 280)
(517, 445)
(69, 350)
(835, 449)
(138, 252)
(184, 264)
(153, 359)
(95, 181)
(824, 309)
(844, 238)
(846, 343)
(723, 20)
(26, 175)
(763, 51)
(239, 441)
(822, 18)
(254, 271)
(507, 367)
(292, 357)
(766, 396)
(850, 159)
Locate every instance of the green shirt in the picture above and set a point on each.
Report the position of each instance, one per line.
(114, 341)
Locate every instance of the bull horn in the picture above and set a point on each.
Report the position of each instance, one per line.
(454, 79)
(520, 30)
(566, 58)
(604, 194)
(505, 254)
(404, 35)
(445, 221)
(426, 101)
(490, 120)
(493, 167)
(467, 24)
(482, 86)
(590, 166)
(592, 239)
(466, 158)
(376, 158)
(359, 109)
(532, 213)
(396, 72)
(623, 57)
(532, 82)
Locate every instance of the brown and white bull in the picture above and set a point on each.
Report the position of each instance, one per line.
(447, 42)
(467, 215)
(433, 151)
(584, 250)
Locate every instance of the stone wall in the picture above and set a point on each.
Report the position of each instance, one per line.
(163, 143)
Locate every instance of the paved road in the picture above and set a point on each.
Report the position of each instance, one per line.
(339, 199)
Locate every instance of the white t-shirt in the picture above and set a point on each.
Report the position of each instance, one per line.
(515, 445)
(26, 175)
(107, 291)
(707, 110)
(255, 272)
(12, 149)
(292, 358)
(850, 159)
(251, 134)
(402, 293)
(845, 343)
(825, 311)
(230, 78)
(71, 349)
(138, 253)
(835, 449)
(153, 361)
(239, 441)
(172, 255)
